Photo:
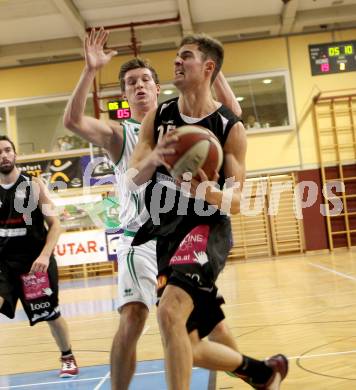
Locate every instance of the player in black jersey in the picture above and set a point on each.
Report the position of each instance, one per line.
(139, 82)
(187, 273)
(28, 270)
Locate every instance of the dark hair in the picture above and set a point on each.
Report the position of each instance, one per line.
(135, 63)
(6, 138)
(210, 47)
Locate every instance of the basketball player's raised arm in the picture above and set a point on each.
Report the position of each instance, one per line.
(104, 134)
(235, 147)
(54, 228)
(225, 95)
(147, 155)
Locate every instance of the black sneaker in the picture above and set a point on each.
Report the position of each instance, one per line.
(278, 364)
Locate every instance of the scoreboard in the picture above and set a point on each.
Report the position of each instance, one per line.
(336, 57)
(119, 109)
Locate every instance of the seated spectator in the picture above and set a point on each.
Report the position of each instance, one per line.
(252, 123)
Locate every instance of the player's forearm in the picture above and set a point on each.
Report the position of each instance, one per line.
(53, 234)
(225, 95)
(75, 108)
(227, 200)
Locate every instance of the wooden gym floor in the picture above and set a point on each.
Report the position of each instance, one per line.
(303, 306)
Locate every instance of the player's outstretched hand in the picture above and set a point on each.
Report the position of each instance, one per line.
(95, 56)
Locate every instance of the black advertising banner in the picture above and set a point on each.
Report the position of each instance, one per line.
(64, 171)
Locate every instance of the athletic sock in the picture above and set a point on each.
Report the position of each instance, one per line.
(254, 369)
(67, 353)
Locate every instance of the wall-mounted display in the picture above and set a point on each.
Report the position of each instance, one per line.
(119, 109)
(335, 57)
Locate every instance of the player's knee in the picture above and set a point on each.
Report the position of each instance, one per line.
(132, 319)
(169, 317)
(174, 309)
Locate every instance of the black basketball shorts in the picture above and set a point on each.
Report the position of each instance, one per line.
(207, 312)
(37, 293)
(194, 268)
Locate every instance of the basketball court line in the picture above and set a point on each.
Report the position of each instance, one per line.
(347, 276)
(150, 374)
(64, 382)
(98, 386)
(82, 383)
(352, 351)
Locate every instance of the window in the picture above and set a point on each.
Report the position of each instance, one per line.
(266, 101)
(40, 126)
(168, 91)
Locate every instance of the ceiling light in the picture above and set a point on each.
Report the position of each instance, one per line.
(168, 92)
(240, 98)
(267, 81)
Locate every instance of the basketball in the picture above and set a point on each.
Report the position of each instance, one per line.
(196, 148)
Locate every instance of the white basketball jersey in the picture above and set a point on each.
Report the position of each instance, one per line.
(133, 212)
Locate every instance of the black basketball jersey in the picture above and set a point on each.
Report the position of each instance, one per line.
(219, 122)
(22, 230)
(171, 212)
(168, 118)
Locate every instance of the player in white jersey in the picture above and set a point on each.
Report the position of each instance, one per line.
(132, 210)
(138, 267)
(137, 271)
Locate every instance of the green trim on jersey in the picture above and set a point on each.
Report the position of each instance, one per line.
(129, 233)
(123, 144)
